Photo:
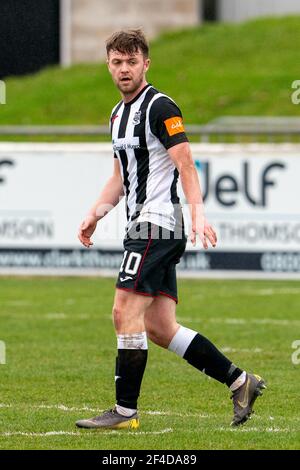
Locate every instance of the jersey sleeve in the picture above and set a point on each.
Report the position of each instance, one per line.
(166, 122)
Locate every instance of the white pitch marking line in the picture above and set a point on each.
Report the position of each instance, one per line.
(155, 413)
(279, 322)
(228, 349)
(242, 321)
(64, 316)
(52, 407)
(71, 433)
(18, 303)
(66, 408)
(55, 316)
(260, 292)
(40, 434)
(255, 429)
(278, 291)
(180, 415)
(97, 410)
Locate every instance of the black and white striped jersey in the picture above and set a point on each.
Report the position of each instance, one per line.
(142, 130)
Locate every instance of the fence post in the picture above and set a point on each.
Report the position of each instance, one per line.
(2, 92)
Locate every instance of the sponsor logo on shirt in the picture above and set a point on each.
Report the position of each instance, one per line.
(174, 125)
(124, 144)
(128, 146)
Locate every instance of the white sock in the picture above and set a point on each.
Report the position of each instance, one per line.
(181, 341)
(238, 382)
(125, 411)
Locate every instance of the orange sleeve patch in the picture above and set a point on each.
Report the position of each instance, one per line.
(174, 125)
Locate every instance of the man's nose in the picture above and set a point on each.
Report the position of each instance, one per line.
(124, 67)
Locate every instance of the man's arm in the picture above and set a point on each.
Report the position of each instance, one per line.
(182, 157)
(110, 196)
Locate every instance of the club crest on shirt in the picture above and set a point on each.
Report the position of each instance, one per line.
(137, 118)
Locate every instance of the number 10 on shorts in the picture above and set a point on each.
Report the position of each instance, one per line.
(131, 262)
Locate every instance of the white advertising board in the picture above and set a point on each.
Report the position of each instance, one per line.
(251, 193)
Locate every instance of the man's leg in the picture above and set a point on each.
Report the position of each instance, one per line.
(128, 316)
(163, 329)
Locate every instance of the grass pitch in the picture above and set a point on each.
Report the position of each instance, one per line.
(60, 353)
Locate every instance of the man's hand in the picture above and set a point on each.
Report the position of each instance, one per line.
(205, 232)
(86, 230)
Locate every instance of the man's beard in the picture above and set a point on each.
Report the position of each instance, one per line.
(128, 89)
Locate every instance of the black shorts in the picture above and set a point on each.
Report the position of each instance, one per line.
(149, 262)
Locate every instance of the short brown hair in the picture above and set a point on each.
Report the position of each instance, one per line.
(128, 42)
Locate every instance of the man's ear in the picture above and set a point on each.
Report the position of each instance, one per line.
(147, 64)
(107, 63)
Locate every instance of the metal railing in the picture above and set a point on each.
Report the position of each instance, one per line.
(287, 128)
(234, 127)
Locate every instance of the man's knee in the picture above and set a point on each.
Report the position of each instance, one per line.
(128, 312)
(118, 313)
(125, 316)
